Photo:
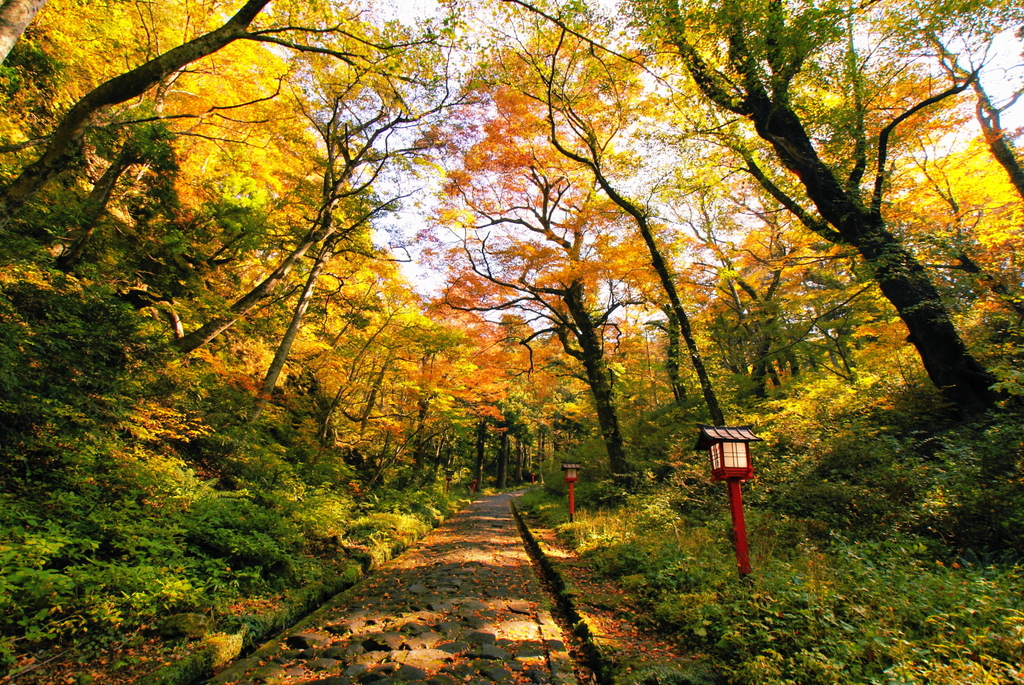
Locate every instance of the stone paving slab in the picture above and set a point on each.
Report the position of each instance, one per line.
(461, 606)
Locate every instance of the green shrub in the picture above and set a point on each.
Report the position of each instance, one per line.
(844, 612)
(240, 532)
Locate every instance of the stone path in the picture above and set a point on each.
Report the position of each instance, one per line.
(462, 606)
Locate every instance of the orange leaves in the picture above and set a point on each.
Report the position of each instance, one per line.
(530, 213)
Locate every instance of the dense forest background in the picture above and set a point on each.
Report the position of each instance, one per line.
(268, 272)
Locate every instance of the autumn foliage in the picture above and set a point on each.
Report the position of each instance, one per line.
(269, 270)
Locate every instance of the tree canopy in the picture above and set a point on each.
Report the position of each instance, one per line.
(269, 270)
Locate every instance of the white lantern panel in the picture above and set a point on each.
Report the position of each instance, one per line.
(735, 455)
(729, 455)
(716, 456)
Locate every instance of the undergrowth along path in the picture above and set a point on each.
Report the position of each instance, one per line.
(461, 606)
(604, 617)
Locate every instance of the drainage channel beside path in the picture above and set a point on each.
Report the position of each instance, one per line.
(462, 606)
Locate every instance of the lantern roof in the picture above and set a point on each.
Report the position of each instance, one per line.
(566, 466)
(712, 435)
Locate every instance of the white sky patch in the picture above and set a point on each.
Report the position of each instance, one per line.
(1004, 75)
(408, 11)
(398, 231)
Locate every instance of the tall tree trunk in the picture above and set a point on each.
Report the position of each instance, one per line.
(668, 284)
(520, 459)
(481, 449)
(760, 327)
(848, 219)
(94, 207)
(66, 141)
(901, 278)
(591, 353)
(759, 370)
(661, 267)
(326, 432)
(503, 454)
(363, 418)
(442, 453)
(762, 343)
(989, 116)
(421, 441)
(672, 356)
(15, 16)
(371, 399)
(285, 346)
(791, 361)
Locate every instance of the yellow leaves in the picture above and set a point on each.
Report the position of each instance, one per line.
(156, 423)
(825, 98)
(457, 219)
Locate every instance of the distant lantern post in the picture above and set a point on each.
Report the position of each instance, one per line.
(448, 480)
(571, 476)
(729, 449)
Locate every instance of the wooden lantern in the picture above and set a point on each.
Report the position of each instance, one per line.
(729, 450)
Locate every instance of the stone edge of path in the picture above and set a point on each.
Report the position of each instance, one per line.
(561, 663)
(599, 651)
(600, 660)
(219, 649)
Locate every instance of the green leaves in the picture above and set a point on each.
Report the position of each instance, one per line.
(77, 351)
(850, 612)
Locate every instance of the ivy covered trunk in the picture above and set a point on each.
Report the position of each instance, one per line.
(607, 417)
(901, 278)
(503, 453)
(753, 81)
(591, 354)
(481, 449)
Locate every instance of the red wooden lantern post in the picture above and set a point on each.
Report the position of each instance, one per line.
(448, 480)
(571, 476)
(729, 449)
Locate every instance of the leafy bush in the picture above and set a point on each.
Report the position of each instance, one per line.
(859, 613)
(241, 533)
(71, 360)
(886, 548)
(120, 507)
(839, 611)
(119, 567)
